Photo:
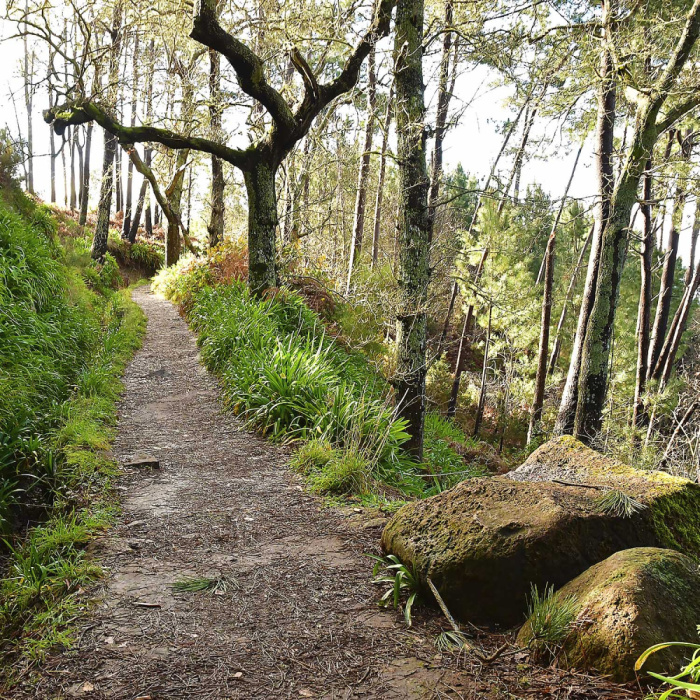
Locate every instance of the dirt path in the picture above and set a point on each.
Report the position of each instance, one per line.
(299, 616)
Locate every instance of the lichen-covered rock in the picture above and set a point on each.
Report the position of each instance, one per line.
(624, 605)
(484, 542)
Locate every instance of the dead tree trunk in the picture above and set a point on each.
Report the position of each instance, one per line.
(216, 220)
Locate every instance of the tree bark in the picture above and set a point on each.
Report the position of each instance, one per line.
(73, 190)
(216, 219)
(663, 306)
(52, 140)
(378, 203)
(85, 189)
(484, 373)
(443, 105)
(363, 173)
(463, 341)
(126, 228)
(556, 347)
(99, 243)
(262, 220)
(414, 228)
(28, 100)
(605, 143)
(639, 416)
(541, 377)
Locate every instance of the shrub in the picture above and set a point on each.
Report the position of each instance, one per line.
(347, 471)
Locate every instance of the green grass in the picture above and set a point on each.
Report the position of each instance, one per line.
(550, 618)
(67, 336)
(286, 378)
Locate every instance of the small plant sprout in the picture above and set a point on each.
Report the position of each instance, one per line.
(619, 504)
(403, 579)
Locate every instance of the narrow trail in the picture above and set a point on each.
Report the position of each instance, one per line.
(298, 617)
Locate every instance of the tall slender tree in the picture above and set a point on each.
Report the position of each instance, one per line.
(414, 222)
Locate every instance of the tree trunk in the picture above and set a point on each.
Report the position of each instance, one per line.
(133, 231)
(693, 242)
(52, 141)
(99, 244)
(28, 99)
(605, 142)
(663, 306)
(85, 189)
(556, 347)
(73, 190)
(262, 226)
(216, 220)
(484, 373)
(463, 340)
(414, 228)
(382, 175)
(639, 416)
(541, 378)
(363, 174)
(443, 104)
(520, 156)
(126, 228)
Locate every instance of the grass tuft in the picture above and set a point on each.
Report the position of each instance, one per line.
(550, 618)
(619, 504)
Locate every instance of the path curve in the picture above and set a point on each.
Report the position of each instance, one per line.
(299, 616)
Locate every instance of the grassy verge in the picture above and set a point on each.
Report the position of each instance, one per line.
(67, 336)
(290, 380)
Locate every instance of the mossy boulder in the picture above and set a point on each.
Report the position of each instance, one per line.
(484, 542)
(625, 604)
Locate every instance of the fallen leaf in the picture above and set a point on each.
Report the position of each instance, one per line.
(87, 687)
(109, 640)
(306, 693)
(238, 674)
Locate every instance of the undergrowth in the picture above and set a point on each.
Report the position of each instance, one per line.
(67, 335)
(284, 374)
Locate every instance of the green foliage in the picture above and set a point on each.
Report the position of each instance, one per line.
(550, 618)
(312, 456)
(63, 350)
(10, 158)
(688, 679)
(286, 378)
(619, 504)
(403, 581)
(346, 472)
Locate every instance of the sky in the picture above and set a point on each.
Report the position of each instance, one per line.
(474, 141)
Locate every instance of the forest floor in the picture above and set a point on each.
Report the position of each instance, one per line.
(295, 614)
